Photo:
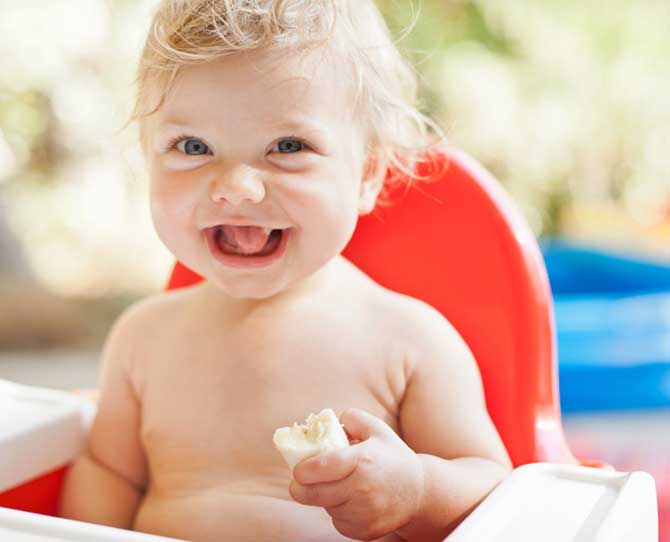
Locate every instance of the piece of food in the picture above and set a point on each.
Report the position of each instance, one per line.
(321, 432)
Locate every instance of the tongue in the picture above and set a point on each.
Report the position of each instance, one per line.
(246, 239)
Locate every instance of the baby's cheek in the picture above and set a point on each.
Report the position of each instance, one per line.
(174, 202)
(170, 212)
(323, 209)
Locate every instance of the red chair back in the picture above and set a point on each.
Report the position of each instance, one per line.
(458, 243)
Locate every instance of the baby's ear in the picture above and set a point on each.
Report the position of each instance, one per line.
(371, 184)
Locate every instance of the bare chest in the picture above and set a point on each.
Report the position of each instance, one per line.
(211, 401)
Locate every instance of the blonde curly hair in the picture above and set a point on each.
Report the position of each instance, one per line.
(187, 32)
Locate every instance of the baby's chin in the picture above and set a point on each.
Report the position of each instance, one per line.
(247, 287)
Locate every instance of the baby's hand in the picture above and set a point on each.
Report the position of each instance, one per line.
(369, 489)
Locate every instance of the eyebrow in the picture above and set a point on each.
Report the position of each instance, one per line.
(286, 124)
(300, 125)
(173, 121)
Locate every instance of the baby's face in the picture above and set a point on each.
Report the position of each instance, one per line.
(264, 187)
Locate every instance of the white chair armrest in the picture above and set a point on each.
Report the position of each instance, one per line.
(40, 430)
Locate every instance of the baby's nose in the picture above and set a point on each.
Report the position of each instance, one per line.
(238, 185)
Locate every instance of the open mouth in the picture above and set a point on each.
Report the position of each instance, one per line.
(247, 240)
(246, 245)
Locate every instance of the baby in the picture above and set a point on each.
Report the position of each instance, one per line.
(268, 127)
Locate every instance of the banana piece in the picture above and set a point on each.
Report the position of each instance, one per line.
(320, 433)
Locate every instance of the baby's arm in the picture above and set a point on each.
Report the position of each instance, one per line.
(106, 482)
(444, 420)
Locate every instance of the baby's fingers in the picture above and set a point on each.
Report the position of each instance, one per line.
(326, 495)
(327, 466)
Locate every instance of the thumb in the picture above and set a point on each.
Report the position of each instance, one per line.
(361, 425)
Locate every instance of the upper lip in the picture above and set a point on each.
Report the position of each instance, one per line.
(233, 222)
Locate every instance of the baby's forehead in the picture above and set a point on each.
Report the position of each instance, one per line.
(268, 85)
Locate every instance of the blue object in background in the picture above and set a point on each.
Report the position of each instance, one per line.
(613, 325)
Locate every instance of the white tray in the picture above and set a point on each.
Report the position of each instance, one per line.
(18, 526)
(564, 503)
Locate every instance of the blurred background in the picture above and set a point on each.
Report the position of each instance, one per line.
(566, 102)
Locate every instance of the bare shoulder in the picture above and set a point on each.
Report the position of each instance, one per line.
(156, 309)
(129, 335)
(427, 335)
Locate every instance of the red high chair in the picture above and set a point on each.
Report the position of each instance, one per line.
(457, 242)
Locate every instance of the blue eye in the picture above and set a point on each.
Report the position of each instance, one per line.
(195, 146)
(289, 146)
(191, 147)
